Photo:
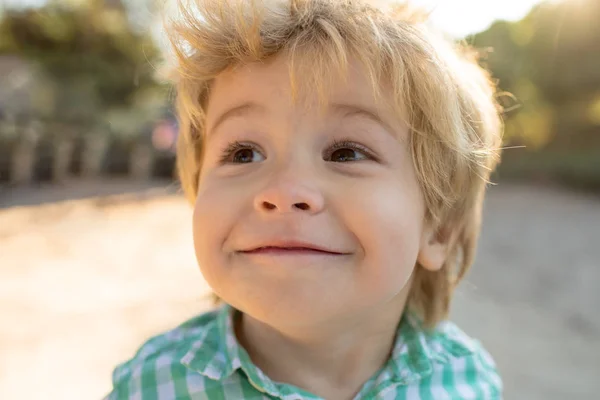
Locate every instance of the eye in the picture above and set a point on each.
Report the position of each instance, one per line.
(241, 153)
(347, 151)
(345, 155)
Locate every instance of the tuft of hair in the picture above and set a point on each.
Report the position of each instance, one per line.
(436, 86)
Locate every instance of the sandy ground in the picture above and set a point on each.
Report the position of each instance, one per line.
(83, 283)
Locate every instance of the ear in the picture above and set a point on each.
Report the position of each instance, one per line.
(434, 248)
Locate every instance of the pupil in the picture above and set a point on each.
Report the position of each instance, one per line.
(343, 155)
(243, 156)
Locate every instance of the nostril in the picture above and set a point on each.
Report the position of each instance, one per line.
(302, 206)
(269, 206)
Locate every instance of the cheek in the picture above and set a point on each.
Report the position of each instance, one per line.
(387, 223)
(217, 205)
(215, 213)
(203, 224)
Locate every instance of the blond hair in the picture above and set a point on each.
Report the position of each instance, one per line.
(437, 88)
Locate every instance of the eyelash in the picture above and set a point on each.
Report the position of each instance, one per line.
(232, 147)
(337, 144)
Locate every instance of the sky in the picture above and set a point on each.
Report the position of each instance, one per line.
(462, 17)
(456, 17)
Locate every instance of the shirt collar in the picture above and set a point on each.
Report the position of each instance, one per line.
(218, 354)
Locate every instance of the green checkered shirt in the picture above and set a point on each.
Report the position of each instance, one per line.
(202, 359)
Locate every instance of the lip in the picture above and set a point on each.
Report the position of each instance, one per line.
(291, 247)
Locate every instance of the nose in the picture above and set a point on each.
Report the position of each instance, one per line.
(287, 196)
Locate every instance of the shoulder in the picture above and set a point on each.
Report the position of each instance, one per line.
(461, 366)
(157, 363)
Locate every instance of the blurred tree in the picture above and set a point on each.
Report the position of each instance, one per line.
(95, 62)
(550, 61)
(94, 77)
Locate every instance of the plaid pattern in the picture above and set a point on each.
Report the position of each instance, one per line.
(202, 359)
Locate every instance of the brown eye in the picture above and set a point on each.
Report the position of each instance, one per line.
(243, 156)
(346, 151)
(345, 155)
(241, 153)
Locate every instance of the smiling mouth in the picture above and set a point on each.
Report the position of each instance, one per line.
(275, 250)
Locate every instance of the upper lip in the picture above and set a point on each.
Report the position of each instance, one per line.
(293, 244)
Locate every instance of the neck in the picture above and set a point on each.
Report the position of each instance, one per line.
(333, 363)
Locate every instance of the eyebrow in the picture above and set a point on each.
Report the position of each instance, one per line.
(351, 110)
(345, 110)
(237, 111)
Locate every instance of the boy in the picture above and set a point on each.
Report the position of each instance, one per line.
(336, 156)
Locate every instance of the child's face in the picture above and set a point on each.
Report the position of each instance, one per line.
(305, 216)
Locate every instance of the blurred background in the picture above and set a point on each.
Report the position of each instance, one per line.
(95, 238)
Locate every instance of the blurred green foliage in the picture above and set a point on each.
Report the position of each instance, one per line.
(94, 67)
(550, 62)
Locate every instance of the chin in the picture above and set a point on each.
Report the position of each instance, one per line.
(276, 309)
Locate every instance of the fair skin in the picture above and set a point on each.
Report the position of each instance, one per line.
(311, 224)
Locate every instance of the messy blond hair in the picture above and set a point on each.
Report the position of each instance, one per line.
(436, 86)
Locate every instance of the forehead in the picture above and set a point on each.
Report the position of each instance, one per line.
(303, 88)
(274, 88)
